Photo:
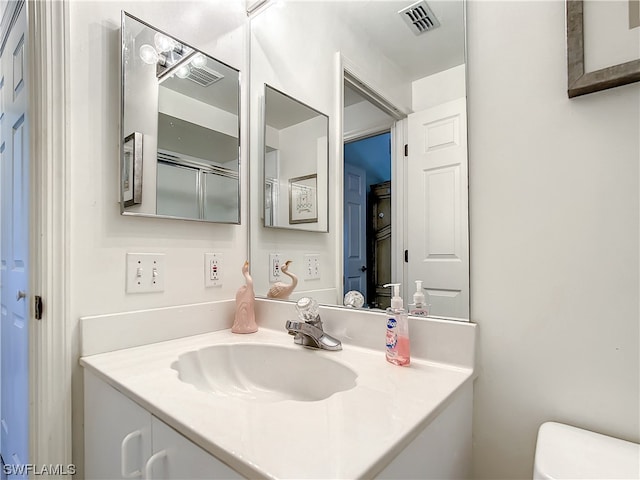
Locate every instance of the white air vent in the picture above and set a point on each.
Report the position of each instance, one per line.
(419, 17)
(203, 75)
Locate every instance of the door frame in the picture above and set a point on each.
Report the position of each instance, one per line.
(50, 339)
(358, 78)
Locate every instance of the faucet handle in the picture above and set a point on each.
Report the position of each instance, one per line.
(307, 309)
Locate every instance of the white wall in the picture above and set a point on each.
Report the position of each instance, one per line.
(554, 239)
(435, 89)
(99, 236)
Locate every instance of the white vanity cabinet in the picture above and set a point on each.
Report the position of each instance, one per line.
(123, 440)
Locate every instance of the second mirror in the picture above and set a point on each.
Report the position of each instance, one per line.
(295, 164)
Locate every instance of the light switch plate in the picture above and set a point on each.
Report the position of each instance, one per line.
(311, 266)
(145, 272)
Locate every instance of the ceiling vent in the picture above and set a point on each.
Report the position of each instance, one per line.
(203, 76)
(419, 17)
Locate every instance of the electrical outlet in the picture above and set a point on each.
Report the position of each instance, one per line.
(145, 272)
(311, 266)
(213, 269)
(274, 267)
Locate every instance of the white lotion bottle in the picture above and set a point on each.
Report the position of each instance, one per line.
(397, 338)
(419, 307)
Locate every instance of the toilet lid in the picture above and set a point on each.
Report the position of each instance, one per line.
(565, 452)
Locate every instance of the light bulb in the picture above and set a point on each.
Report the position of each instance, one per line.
(163, 43)
(183, 71)
(199, 60)
(148, 54)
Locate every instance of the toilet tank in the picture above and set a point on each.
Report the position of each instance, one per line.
(565, 452)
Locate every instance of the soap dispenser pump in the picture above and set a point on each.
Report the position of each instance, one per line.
(397, 338)
(419, 307)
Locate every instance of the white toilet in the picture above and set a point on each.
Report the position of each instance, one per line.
(565, 452)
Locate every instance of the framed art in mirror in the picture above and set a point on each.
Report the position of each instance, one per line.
(303, 199)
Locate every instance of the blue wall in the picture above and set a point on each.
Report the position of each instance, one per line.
(372, 154)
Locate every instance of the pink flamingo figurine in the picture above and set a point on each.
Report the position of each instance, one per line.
(245, 319)
(283, 290)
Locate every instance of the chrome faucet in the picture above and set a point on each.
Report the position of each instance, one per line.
(308, 332)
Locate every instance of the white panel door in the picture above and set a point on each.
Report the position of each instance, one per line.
(437, 194)
(355, 233)
(14, 399)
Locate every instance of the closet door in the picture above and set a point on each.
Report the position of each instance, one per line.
(437, 194)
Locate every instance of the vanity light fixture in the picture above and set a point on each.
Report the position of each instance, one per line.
(199, 61)
(148, 54)
(171, 57)
(163, 43)
(183, 71)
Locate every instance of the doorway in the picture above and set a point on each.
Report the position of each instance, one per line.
(14, 266)
(367, 218)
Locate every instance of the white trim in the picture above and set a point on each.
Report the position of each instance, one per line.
(49, 338)
(399, 210)
(339, 175)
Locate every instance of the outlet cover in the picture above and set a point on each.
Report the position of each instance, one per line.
(275, 274)
(213, 269)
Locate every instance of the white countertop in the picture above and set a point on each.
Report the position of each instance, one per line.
(352, 434)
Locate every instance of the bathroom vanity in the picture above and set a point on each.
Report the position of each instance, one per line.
(220, 405)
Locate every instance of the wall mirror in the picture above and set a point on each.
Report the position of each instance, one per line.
(389, 73)
(295, 164)
(180, 129)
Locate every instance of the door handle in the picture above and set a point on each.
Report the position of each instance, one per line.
(124, 457)
(363, 268)
(20, 295)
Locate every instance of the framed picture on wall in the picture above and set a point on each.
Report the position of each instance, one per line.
(606, 70)
(132, 170)
(303, 199)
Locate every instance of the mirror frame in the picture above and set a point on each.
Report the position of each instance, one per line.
(121, 201)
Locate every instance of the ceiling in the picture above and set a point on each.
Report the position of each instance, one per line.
(416, 55)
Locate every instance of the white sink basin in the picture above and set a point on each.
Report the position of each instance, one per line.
(265, 373)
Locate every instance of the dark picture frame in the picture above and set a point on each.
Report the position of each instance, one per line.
(131, 175)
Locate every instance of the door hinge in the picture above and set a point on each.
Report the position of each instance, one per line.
(406, 149)
(406, 256)
(38, 307)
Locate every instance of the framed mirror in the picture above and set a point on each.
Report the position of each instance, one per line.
(391, 73)
(180, 129)
(295, 164)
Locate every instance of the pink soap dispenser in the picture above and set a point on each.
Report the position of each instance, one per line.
(397, 340)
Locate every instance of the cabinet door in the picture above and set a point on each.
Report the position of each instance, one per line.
(176, 457)
(117, 432)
